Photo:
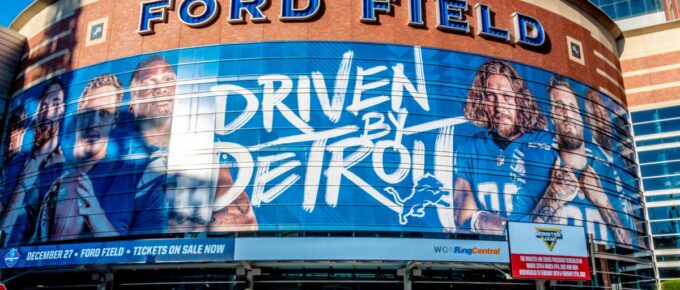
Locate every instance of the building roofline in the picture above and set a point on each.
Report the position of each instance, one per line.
(652, 28)
(27, 14)
(586, 6)
(598, 14)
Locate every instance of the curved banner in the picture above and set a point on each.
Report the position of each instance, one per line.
(314, 136)
(255, 249)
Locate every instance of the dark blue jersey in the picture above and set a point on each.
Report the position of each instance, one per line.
(580, 211)
(26, 222)
(115, 185)
(506, 181)
(152, 178)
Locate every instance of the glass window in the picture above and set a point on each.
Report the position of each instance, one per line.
(659, 155)
(668, 242)
(660, 169)
(660, 213)
(644, 116)
(656, 127)
(659, 183)
(664, 197)
(670, 112)
(658, 141)
(656, 114)
(666, 227)
(621, 9)
(672, 258)
(618, 9)
(669, 272)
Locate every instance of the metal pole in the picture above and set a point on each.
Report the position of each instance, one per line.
(593, 260)
(407, 279)
(251, 280)
(540, 284)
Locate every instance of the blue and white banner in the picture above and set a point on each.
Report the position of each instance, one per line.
(315, 136)
(256, 249)
(120, 252)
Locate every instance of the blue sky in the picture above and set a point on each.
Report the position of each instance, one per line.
(10, 10)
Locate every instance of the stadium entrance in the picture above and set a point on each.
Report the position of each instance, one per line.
(339, 277)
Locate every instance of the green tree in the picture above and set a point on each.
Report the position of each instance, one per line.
(671, 285)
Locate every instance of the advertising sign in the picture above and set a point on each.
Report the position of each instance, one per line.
(255, 249)
(548, 252)
(120, 252)
(314, 136)
(371, 249)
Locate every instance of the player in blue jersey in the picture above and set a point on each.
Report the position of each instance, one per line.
(153, 88)
(16, 131)
(501, 171)
(623, 184)
(31, 174)
(95, 196)
(581, 191)
(13, 159)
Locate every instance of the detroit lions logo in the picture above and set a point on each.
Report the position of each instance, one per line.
(427, 192)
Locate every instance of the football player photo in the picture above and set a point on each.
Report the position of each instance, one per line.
(153, 90)
(30, 174)
(580, 192)
(96, 196)
(506, 159)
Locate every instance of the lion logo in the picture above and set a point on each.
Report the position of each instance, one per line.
(427, 192)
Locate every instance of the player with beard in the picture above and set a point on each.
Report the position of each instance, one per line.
(582, 179)
(95, 196)
(17, 130)
(13, 142)
(39, 168)
(153, 89)
(601, 126)
(500, 171)
(601, 130)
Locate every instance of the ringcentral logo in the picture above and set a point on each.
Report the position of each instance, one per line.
(549, 236)
(466, 251)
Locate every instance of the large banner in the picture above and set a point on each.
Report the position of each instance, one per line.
(159, 251)
(314, 136)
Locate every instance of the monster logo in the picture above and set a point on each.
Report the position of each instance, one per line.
(428, 191)
(549, 236)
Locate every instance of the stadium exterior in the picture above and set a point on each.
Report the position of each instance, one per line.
(649, 63)
(317, 144)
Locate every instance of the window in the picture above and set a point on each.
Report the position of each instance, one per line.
(657, 127)
(665, 227)
(664, 213)
(660, 169)
(618, 9)
(669, 272)
(575, 48)
(663, 197)
(96, 31)
(656, 114)
(659, 155)
(660, 183)
(667, 242)
(675, 139)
